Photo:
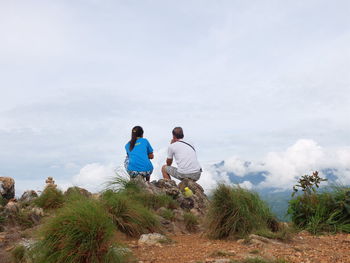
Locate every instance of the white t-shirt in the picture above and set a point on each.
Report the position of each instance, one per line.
(185, 157)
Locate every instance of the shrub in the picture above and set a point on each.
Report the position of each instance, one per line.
(235, 212)
(322, 212)
(50, 198)
(81, 232)
(128, 215)
(191, 222)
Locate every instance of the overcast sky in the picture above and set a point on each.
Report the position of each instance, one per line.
(245, 79)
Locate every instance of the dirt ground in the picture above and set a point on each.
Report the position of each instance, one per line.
(304, 248)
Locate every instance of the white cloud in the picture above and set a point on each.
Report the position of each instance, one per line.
(94, 176)
(285, 167)
(246, 185)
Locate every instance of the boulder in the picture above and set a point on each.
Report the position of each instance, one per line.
(79, 190)
(152, 239)
(28, 196)
(7, 187)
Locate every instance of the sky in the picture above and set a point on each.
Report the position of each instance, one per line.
(264, 81)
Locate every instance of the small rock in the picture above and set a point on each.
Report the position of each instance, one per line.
(151, 239)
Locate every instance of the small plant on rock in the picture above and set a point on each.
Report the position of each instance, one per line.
(191, 222)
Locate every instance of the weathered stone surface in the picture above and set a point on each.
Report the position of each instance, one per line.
(76, 189)
(7, 187)
(12, 207)
(151, 239)
(168, 187)
(28, 196)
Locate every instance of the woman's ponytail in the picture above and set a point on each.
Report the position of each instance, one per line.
(136, 132)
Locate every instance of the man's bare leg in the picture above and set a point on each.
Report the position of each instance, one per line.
(166, 176)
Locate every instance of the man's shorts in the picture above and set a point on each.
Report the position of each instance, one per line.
(172, 171)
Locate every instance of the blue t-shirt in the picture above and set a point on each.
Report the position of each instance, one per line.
(138, 157)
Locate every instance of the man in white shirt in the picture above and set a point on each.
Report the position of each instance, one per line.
(185, 156)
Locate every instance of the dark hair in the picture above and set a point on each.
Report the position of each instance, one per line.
(136, 132)
(178, 133)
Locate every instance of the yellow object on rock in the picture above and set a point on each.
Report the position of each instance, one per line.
(188, 192)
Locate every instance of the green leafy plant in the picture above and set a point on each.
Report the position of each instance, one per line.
(308, 183)
(235, 212)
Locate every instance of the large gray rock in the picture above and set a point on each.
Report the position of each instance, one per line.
(7, 187)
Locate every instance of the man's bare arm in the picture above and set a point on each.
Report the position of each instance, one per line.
(169, 162)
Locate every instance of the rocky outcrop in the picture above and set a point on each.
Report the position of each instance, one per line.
(28, 196)
(197, 203)
(7, 188)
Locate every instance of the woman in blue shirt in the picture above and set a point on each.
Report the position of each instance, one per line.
(139, 152)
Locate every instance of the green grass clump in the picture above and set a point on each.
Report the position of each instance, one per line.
(156, 201)
(50, 198)
(167, 214)
(322, 212)
(130, 216)
(81, 232)
(191, 222)
(235, 212)
(18, 254)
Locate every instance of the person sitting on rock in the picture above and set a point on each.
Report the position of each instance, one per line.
(139, 152)
(185, 156)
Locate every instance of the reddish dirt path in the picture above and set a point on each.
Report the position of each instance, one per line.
(195, 248)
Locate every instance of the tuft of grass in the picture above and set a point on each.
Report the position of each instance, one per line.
(235, 212)
(191, 222)
(221, 253)
(18, 254)
(156, 201)
(167, 214)
(320, 212)
(285, 234)
(81, 232)
(130, 217)
(50, 198)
